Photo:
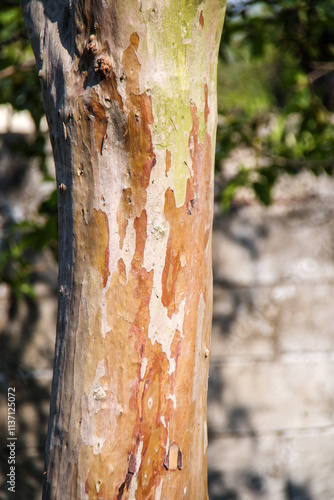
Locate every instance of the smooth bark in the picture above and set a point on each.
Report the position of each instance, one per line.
(129, 90)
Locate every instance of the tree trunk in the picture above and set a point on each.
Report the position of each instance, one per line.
(130, 96)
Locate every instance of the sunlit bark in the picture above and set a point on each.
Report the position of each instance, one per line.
(129, 91)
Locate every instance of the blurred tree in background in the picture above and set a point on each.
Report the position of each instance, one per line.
(276, 97)
(21, 241)
(275, 104)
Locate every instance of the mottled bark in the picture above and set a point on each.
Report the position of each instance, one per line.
(130, 96)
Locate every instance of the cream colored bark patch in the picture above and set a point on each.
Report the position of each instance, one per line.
(198, 346)
(100, 398)
(164, 335)
(134, 482)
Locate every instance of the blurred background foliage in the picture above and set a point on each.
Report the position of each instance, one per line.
(275, 106)
(21, 241)
(276, 93)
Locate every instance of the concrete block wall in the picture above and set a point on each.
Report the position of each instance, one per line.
(271, 387)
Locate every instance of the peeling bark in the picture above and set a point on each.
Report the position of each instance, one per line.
(129, 91)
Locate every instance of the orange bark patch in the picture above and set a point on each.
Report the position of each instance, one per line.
(168, 162)
(201, 19)
(125, 211)
(94, 243)
(139, 145)
(97, 104)
(132, 65)
(134, 40)
(138, 141)
(150, 427)
(101, 122)
(109, 90)
(172, 267)
(140, 225)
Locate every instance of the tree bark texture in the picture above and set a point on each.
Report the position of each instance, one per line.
(129, 90)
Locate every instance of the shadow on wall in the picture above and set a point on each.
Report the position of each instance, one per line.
(27, 326)
(32, 396)
(270, 431)
(256, 489)
(218, 490)
(295, 492)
